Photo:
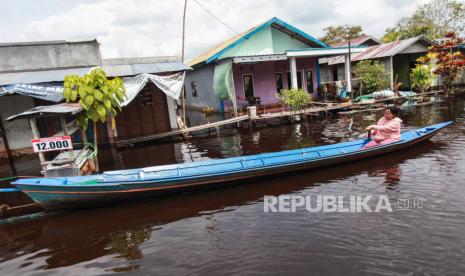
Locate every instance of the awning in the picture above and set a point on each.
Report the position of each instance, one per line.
(48, 92)
(171, 85)
(63, 108)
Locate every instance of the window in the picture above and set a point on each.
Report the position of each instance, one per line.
(247, 81)
(299, 80)
(194, 88)
(279, 82)
(309, 81)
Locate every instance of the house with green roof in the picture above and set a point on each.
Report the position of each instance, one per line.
(252, 67)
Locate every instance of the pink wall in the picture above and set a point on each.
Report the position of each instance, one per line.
(264, 77)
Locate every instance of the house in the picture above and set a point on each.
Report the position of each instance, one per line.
(32, 74)
(152, 110)
(363, 40)
(398, 58)
(23, 66)
(334, 72)
(252, 67)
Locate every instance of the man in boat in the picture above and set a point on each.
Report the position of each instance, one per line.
(387, 130)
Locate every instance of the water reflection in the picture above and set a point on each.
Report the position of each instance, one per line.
(391, 175)
(122, 238)
(126, 244)
(80, 236)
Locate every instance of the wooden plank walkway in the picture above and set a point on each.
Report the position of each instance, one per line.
(180, 131)
(216, 125)
(305, 111)
(321, 107)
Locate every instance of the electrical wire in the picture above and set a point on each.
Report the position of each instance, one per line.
(211, 13)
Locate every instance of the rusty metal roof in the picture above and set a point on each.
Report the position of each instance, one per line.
(357, 41)
(383, 50)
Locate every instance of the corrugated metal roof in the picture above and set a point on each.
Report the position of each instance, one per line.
(356, 41)
(134, 66)
(216, 49)
(63, 108)
(214, 52)
(113, 68)
(383, 50)
(40, 76)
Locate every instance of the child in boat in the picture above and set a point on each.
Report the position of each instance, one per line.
(387, 130)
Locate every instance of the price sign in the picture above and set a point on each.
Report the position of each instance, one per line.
(52, 143)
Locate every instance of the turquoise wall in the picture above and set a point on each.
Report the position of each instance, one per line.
(266, 42)
(283, 42)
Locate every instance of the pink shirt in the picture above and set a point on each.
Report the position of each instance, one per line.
(387, 129)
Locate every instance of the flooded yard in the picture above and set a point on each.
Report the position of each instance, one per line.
(226, 231)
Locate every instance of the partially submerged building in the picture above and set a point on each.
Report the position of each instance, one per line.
(335, 72)
(398, 58)
(153, 84)
(32, 74)
(252, 67)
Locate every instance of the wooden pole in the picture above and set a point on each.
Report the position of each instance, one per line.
(36, 135)
(183, 92)
(349, 81)
(66, 132)
(7, 147)
(96, 147)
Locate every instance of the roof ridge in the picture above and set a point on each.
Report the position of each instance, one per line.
(215, 52)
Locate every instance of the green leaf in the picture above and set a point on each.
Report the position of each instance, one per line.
(73, 95)
(67, 94)
(107, 103)
(98, 95)
(101, 111)
(89, 99)
(82, 91)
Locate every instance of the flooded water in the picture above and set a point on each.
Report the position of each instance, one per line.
(226, 231)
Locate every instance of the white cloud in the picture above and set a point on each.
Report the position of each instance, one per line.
(150, 28)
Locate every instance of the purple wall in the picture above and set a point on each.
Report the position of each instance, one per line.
(264, 78)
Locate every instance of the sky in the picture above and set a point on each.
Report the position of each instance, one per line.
(138, 28)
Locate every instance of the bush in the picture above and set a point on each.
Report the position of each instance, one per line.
(295, 99)
(372, 74)
(422, 76)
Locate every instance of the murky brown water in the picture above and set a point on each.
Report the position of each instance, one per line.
(227, 232)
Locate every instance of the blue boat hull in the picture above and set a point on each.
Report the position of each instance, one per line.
(122, 186)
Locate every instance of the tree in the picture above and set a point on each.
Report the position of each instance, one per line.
(295, 99)
(372, 74)
(422, 76)
(335, 34)
(448, 62)
(408, 27)
(432, 20)
(99, 96)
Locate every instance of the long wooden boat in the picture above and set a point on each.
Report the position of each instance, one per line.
(120, 186)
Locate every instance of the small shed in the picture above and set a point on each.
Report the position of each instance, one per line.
(398, 58)
(153, 84)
